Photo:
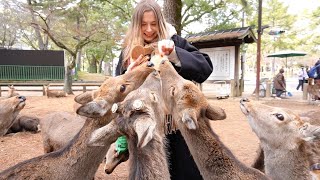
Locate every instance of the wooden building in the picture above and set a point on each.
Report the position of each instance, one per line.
(223, 47)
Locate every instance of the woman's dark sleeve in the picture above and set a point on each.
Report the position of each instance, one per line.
(195, 65)
(119, 69)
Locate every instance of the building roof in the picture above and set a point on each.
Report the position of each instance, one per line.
(229, 37)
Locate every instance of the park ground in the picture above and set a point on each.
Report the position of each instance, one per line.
(234, 131)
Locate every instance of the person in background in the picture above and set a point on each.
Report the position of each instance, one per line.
(302, 76)
(317, 66)
(148, 27)
(279, 83)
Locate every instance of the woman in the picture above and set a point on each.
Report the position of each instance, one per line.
(149, 26)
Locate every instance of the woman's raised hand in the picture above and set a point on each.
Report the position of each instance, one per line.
(165, 47)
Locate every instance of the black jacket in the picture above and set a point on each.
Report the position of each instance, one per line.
(195, 66)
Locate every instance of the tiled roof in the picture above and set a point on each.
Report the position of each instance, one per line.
(237, 35)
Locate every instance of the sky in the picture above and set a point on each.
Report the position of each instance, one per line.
(298, 6)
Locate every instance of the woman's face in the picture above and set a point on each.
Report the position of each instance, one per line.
(149, 27)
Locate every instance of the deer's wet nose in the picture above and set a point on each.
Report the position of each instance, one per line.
(150, 64)
(244, 100)
(22, 98)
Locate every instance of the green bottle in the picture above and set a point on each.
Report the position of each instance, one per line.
(121, 144)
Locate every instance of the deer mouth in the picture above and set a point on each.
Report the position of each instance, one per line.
(21, 103)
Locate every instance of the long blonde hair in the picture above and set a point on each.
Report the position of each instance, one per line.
(134, 36)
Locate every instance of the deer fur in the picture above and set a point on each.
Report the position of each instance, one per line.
(144, 128)
(9, 110)
(54, 93)
(77, 160)
(313, 91)
(25, 123)
(191, 112)
(285, 148)
(58, 129)
(11, 91)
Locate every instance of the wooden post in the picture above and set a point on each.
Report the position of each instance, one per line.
(232, 88)
(43, 91)
(305, 91)
(268, 88)
(84, 88)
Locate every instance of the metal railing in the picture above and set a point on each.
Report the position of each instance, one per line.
(14, 72)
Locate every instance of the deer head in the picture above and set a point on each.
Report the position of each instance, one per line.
(115, 89)
(183, 98)
(140, 113)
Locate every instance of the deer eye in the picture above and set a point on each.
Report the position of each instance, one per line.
(280, 117)
(122, 88)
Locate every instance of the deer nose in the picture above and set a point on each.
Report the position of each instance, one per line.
(150, 64)
(244, 100)
(22, 98)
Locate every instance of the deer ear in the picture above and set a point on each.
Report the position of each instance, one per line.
(189, 118)
(309, 132)
(100, 136)
(94, 109)
(144, 128)
(215, 113)
(85, 97)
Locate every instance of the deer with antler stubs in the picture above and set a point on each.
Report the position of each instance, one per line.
(283, 137)
(12, 91)
(141, 117)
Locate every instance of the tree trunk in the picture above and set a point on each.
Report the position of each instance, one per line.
(100, 66)
(107, 69)
(172, 13)
(68, 80)
(68, 75)
(92, 65)
(79, 62)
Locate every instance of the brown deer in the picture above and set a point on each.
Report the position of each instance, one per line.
(58, 129)
(9, 110)
(313, 91)
(12, 91)
(191, 111)
(141, 119)
(54, 93)
(283, 138)
(113, 160)
(77, 160)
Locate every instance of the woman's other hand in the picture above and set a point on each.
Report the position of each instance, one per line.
(135, 63)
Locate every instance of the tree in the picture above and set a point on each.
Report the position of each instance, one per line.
(181, 16)
(72, 28)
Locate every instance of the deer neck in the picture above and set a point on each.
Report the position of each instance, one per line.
(150, 161)
(287, 164)
(215, 161)
(80, 159)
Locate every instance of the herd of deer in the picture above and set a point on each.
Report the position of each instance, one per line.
(135, 104)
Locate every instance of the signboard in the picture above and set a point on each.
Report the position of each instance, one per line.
(223, 61)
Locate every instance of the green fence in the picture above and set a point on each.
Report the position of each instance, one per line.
(13, 72)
